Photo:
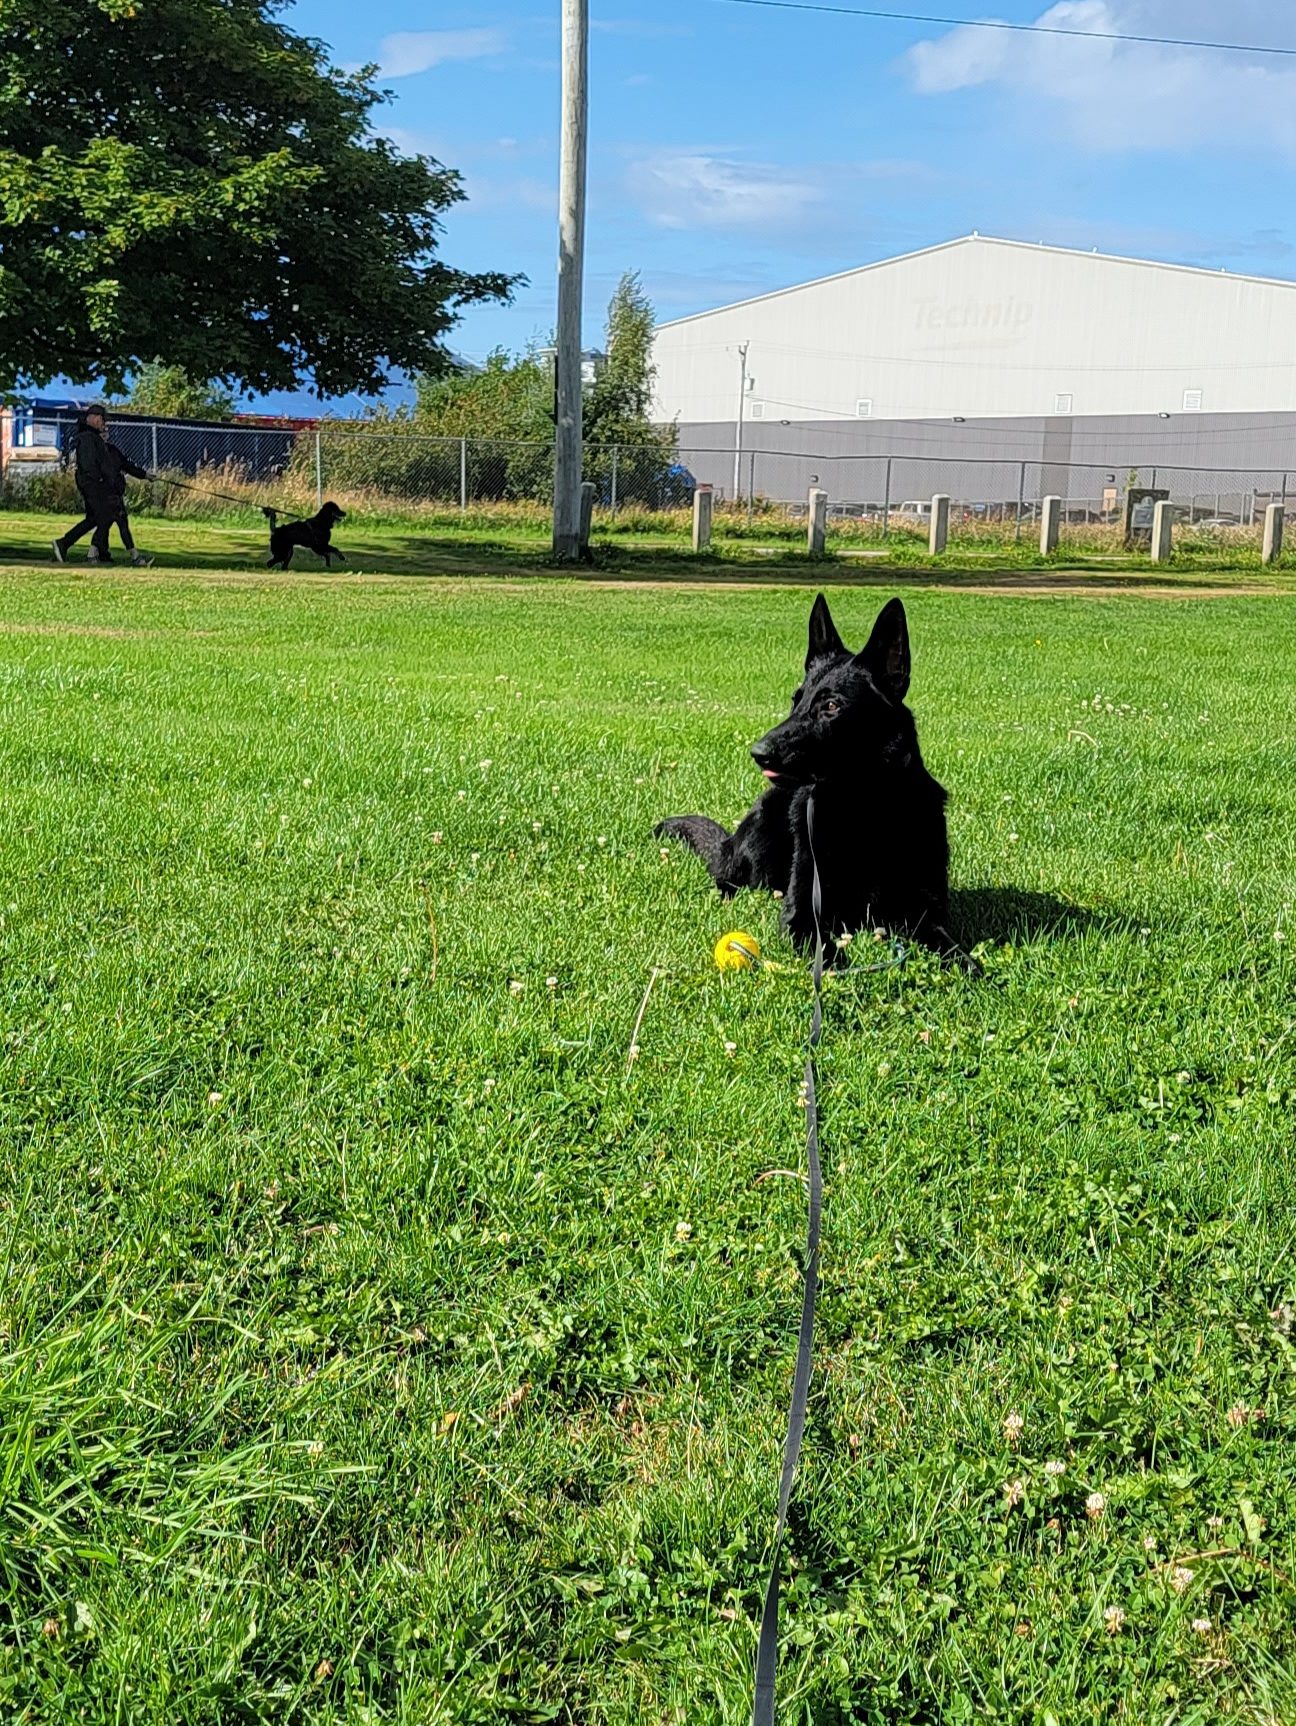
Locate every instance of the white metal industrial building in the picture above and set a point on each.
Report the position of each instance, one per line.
(1066, 370)
(992, 328)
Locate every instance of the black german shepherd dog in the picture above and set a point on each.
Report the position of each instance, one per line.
(314, 534)
(879, 817)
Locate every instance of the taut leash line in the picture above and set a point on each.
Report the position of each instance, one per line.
(224, 496)
(763, 1710)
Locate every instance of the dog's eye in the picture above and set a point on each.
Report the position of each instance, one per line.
(830, 706)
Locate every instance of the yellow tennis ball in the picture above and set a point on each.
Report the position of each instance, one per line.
(737, 951)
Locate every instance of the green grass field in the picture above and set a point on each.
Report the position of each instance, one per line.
(640, 547)
(381, 1344)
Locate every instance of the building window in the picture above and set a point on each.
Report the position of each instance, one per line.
(1192, 401)
(1063, 404)
(758, 410)
(864, 408)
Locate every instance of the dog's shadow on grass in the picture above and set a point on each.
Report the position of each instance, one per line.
(1016, 914)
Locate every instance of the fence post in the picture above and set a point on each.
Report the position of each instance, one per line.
(1273, 533)
(1050, 527)
(751, 488)
(319, 473)
(616, 451)
(153, 464)
(886, 503)
(1021, 498)
(586, 514)
(817, 532)
(1162, 531)
(703, 500)
(463, 475)
(938, 538)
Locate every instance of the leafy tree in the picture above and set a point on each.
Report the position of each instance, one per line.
(505, 412)
(510, 397)
(618, 406)
(170, 393)
(617, 409)
(190, 179)
(513, 397)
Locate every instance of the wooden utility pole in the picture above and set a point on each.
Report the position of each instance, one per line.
(571, 257)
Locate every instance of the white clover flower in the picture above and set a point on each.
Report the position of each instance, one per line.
(1202, 1626)
(1055, 1470)
(1180, 1578)
(1014, 1491)
(1013, 1427)
(1114, 1620)
(1095, 1504)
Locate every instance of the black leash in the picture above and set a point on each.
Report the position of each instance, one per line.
(224, 496)
(767, 1647)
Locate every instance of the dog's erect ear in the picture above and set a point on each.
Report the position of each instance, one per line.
(824, 638)
(886, 657)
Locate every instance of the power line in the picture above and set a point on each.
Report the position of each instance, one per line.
(1023, 29)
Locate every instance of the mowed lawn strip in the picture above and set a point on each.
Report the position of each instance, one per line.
(380, 1343)
(627, 550)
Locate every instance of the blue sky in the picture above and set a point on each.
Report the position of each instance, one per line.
(736, 149)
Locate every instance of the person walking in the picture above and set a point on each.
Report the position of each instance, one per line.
(101, 470)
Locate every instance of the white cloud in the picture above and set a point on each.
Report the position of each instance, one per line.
(699, 189)
(1113, 96)
(411, 51)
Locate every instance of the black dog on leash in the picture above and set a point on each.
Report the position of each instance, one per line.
(313, 533)
(879, 834)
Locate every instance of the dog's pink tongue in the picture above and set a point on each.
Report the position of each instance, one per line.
(769, 773)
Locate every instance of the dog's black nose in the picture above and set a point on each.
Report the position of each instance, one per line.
(763, 756)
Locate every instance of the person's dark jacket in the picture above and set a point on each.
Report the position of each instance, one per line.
(101, 466)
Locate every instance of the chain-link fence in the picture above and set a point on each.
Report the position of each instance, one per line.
(396, 470)
(895, 492)
(381, 466)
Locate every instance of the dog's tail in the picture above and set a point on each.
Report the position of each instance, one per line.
(271, 515)
(708, 838)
